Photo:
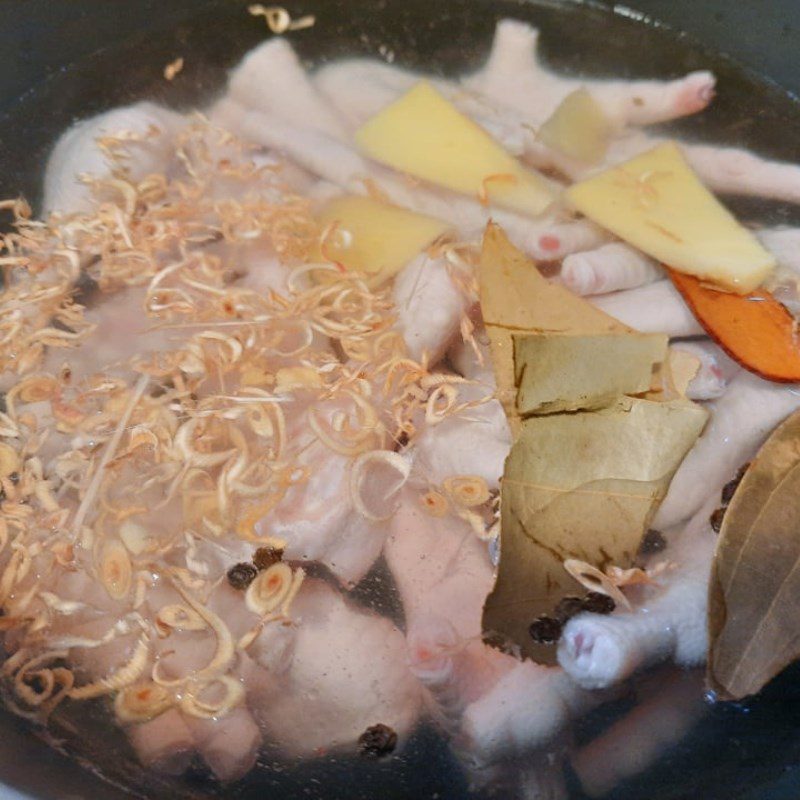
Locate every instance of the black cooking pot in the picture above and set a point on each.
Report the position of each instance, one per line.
(64, 60)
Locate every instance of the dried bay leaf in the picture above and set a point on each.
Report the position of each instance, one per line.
(583, 480)
(516, 298)
(580, 485)
(557, 372)
(754, 593)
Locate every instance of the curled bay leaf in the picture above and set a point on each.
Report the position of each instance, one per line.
(517, 298)
(557, 372)
(590, 463)
(754, 593)
(580, 485)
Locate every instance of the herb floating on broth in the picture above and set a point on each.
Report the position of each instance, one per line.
(516, 298)
(426, 136)
(602, 367)
(252, 352)
(652, 542)
(590, 463)
(752, 594)
(265, 557)
(279, 20)
(657, 203)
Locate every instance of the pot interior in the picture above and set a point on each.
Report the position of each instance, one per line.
(734, 749)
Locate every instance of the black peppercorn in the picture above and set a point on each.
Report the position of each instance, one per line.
(377, 741)
(567, 608)
(729, 489)
(598, 603)
(265, 557)
(403, 439)
(545, 630)
(652, 542)
(241, 575)
(84, 288)
(716, 519)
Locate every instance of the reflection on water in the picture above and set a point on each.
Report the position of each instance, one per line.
(656, 738)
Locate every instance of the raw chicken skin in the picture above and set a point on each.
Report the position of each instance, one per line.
(599, 651)
(76, 153)
(344, 671)
(493, 705)
(513, 76)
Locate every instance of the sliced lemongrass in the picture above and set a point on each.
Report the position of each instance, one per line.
(121, 678)
(595, 581)
(142, 702)
(467, 490)
(269, 589)
(115, 569)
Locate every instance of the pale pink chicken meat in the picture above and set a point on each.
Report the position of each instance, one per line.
(654, 308)
(228, 744)
(332, 516)
(164, 744)
(343, 671)
(319, 522)
(121, 332)
(514, 76)
(612, 267)
(271, 79)
(740, 421)
(494, 705)
(474, 442)
(477, 440)
(77, 152)
(668, 623)
(430, 306)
